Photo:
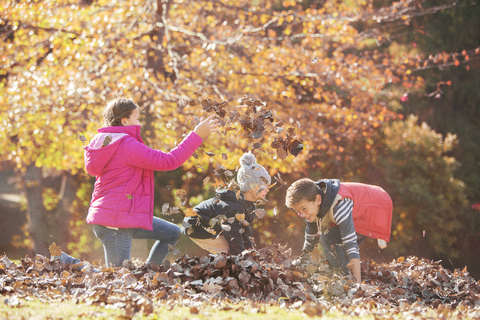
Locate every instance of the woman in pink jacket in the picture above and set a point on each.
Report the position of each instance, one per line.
(121, 208)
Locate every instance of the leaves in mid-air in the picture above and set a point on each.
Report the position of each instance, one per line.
(260, 213)
(167, 210)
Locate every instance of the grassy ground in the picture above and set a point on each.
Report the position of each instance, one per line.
(38, 310)
(70, 310)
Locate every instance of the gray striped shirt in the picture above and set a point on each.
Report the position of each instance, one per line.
(342, 214)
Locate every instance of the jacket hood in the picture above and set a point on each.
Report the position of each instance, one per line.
(328, 190)
(104, 144)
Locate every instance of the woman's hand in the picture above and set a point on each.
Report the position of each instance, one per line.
(207, 126)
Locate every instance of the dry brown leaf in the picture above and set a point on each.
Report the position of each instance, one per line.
(240, 216)
(54, 250)
(189, 212)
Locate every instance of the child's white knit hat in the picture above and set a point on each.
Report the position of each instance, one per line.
(251, 175)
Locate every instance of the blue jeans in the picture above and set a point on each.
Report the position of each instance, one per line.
(66, 259)
(332, 247)
(117, 244)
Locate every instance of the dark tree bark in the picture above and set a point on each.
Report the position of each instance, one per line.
(36, 209)
(48, 226)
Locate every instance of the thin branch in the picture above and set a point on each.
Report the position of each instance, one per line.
(169, 47)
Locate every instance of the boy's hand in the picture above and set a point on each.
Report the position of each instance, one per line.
(304, 259)
(356, 271)
(207, 126)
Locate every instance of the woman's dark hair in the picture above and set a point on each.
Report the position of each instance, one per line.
(116, 110)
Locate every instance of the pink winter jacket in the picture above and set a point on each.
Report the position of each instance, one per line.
(123, 193)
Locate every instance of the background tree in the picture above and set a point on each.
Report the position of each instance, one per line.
(325, 73)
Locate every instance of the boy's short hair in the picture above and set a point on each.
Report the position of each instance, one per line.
(303, 189)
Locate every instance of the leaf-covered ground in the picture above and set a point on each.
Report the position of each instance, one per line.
(411, 287)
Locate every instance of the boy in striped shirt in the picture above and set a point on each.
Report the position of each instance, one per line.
(344, 214)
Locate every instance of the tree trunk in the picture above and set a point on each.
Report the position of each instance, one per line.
(48, 226)
(62, 214)
(36, 209)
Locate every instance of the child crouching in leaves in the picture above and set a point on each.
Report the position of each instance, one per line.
(347, 214)
(222, 223)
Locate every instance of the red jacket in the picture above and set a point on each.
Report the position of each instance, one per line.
(372, 209)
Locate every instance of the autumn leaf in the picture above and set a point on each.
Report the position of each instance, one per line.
(174, 210)
(221, 218)
(350, 265)
(261, 201)
(55, 250)
(257, 145)
(272, 185)
(82, 138)
(195, 121)
(189, 212)
(167, 210)
(281, 153)
(165, 207)
(195, 310)
(212, 288)
(260, 213)
(212, 222)
(279, 179)
(205, 181)
(218, 183)
(233, 186)
(295, 147)
(182, 195)
(107, 141)
(261, 189)
(240, 216)
(275, 211)
(397, 291)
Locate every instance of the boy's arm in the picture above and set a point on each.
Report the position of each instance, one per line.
(342, 213)
(312, 238)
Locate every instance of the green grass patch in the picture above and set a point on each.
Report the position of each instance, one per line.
(37, 309)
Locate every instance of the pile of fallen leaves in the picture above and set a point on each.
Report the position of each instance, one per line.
(270, 275)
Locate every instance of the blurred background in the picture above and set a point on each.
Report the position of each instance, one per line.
(379, 92)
